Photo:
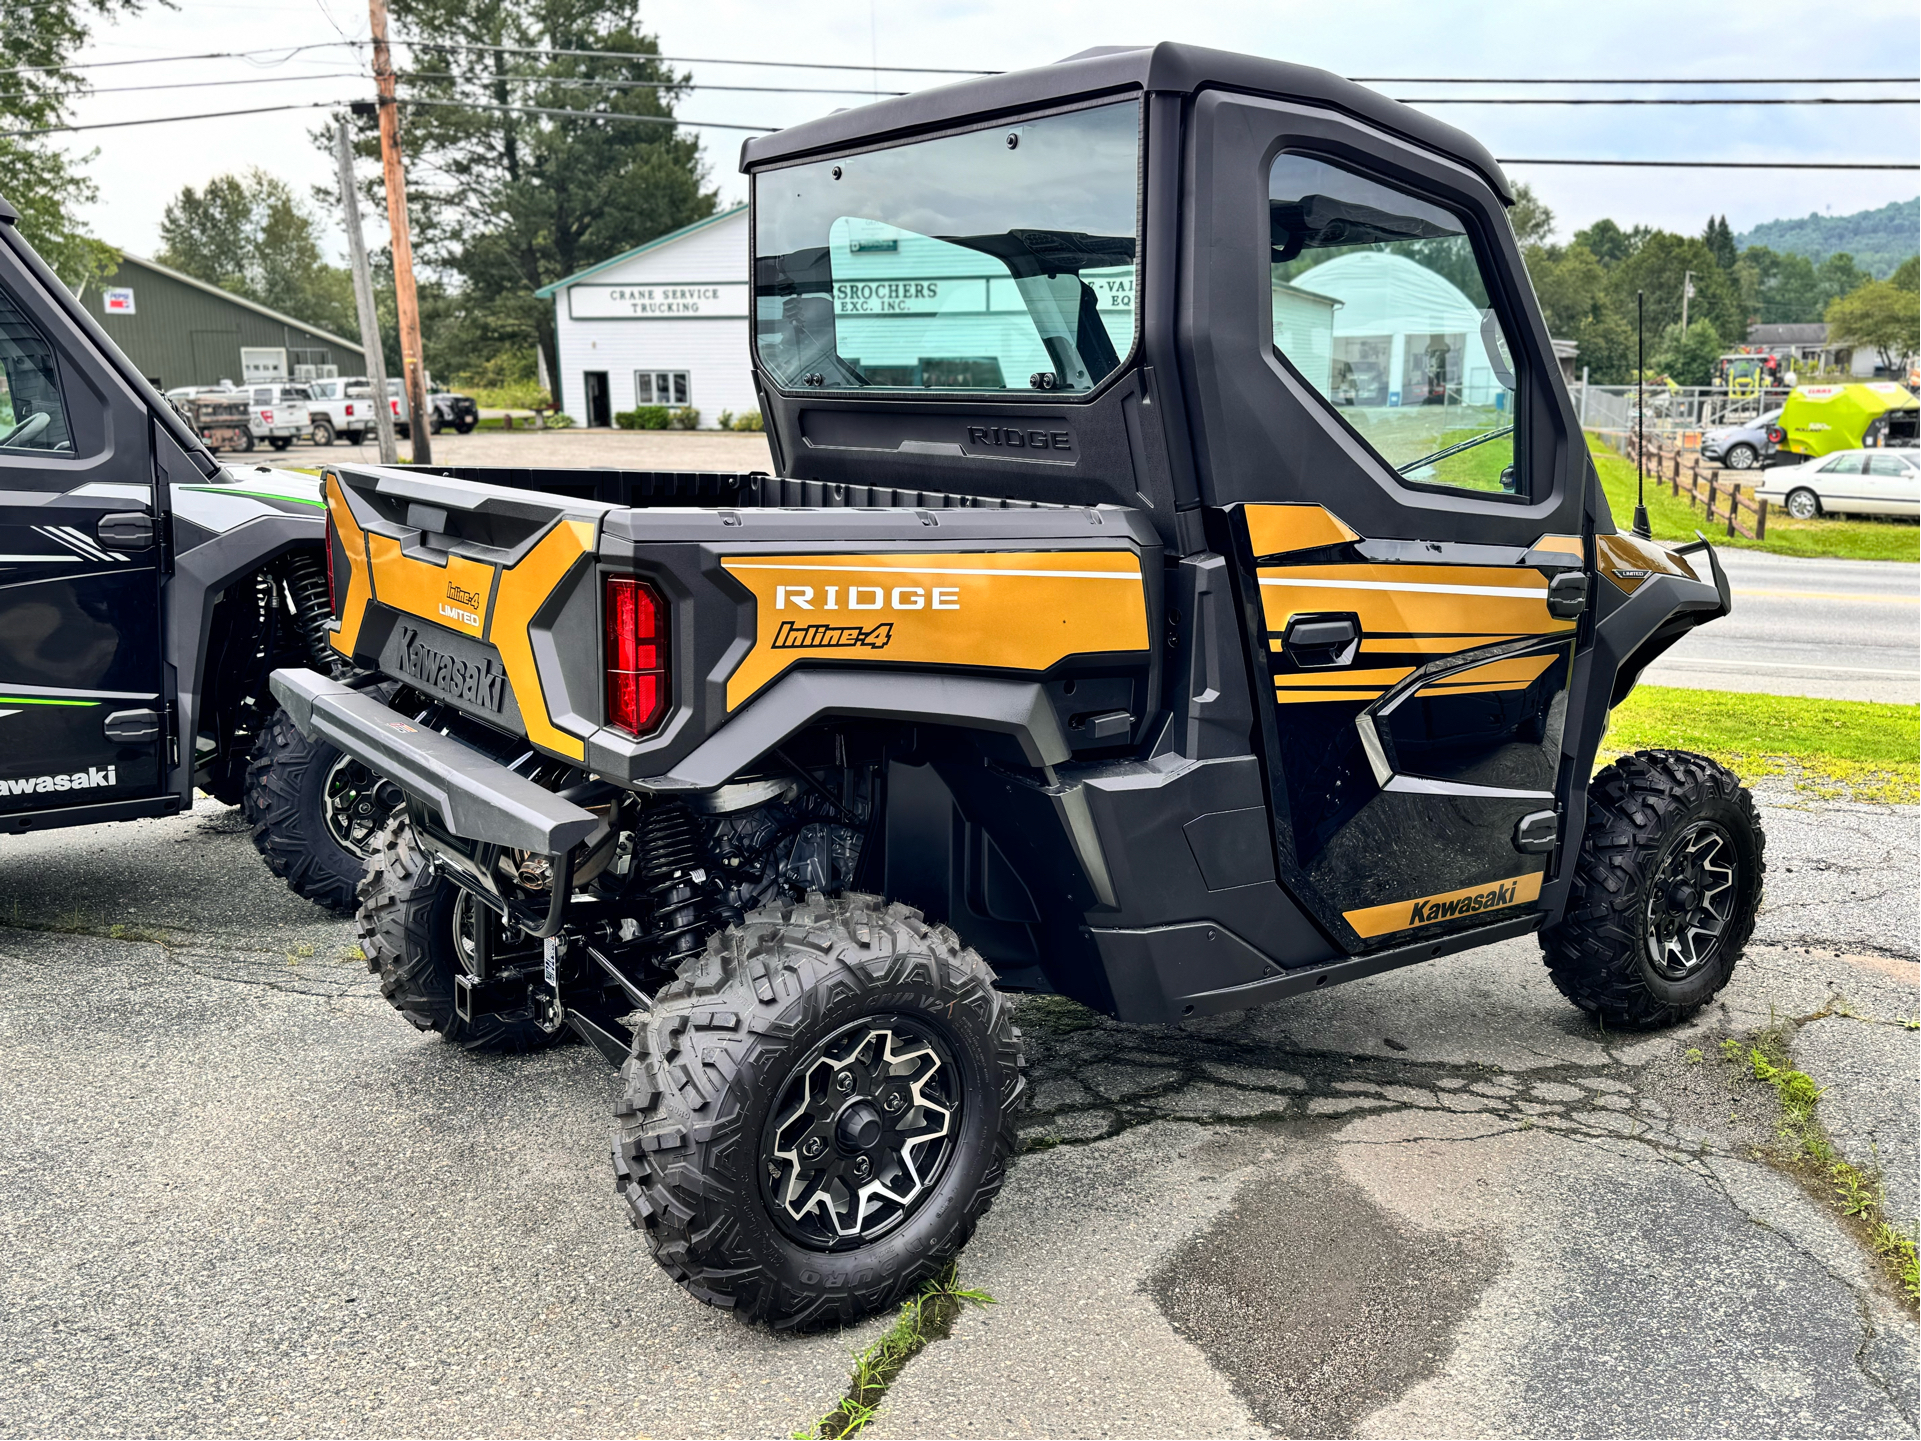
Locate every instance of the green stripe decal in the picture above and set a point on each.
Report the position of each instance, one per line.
(41, 700)
(257, 495)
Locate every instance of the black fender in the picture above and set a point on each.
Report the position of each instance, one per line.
(200, 574)
(1639, 615)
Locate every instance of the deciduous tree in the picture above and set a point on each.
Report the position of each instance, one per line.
(40, 180)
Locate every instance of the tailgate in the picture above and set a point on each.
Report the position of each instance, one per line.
(451, 587)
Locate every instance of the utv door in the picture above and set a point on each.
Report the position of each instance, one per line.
(1399, 476)
(82, 709)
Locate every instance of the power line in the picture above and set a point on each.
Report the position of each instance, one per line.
(282, 51)
(1623, 100)
(681, 59)
(584, 81)
(589, 114)
(1644, 80)
(167, 119)
(1730, 164)
(213, 84)
(330, 104)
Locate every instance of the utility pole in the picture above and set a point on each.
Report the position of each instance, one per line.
(406, 304)
(364, 296)
(1687, 294)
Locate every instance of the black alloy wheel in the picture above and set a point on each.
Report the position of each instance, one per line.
(1665, 889)
(357, 803)
(862, 1132)
(1691, 902)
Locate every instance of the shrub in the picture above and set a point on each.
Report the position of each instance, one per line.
(747, 420)
(724, 421)
(686, 418)
(644, 417)
(559, 420)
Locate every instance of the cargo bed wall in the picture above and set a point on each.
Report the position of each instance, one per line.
(641, 489)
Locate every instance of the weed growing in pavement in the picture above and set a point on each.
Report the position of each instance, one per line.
(1857, 1193)
(929, 1317)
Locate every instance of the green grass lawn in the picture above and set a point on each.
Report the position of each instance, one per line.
(1674, 519)
(1862, 749)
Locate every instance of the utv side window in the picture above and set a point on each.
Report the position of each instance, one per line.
(32, 415)
(1380, 304)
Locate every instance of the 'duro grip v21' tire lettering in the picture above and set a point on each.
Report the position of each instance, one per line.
(818, 1111)
(1666, 887)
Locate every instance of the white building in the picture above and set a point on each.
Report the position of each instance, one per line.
(662, 324)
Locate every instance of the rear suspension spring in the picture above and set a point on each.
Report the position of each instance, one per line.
(683, 905)
(307, 583)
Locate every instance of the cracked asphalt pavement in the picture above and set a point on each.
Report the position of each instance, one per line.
(246, 1198)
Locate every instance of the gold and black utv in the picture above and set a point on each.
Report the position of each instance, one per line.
(1181, 584)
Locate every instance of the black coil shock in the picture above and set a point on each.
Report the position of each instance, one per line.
(307, 581)
(670, 865)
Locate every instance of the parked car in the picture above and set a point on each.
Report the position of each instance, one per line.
(451, 411)
(342, 408)
(278, 412)
(1849, 482)
(446, 410)
(1741, 447)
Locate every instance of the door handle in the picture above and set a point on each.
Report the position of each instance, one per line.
(131, 727)
(1318, 641)
(125, 530)
(1567, 595)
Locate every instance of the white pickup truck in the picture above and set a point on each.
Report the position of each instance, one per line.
(277, 412)
(342, 408)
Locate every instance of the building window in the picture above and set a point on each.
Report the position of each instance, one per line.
(661, 387)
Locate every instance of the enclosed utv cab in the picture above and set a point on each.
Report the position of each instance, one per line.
(1183, 585)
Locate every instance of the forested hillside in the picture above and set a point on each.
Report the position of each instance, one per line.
(1879, 240)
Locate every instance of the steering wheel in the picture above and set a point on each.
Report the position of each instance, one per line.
(27, 429)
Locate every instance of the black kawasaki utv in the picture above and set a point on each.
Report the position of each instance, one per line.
(1183, 585)
(146, 592)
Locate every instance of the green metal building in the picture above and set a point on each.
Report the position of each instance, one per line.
(183, 331)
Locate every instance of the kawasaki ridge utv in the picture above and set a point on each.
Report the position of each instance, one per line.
(1183, 585)
(146, 592)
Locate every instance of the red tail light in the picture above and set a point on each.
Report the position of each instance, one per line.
(636, 630)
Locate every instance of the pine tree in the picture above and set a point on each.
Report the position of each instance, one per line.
(1719, 237)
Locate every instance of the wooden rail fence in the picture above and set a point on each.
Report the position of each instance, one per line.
(1686, 477)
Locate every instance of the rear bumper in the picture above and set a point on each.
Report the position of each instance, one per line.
(474, 795)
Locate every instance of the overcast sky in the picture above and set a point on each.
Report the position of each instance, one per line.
(140, 168)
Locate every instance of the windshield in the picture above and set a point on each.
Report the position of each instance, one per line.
(997, 260)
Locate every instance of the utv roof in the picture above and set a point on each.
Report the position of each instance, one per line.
(1157, 69)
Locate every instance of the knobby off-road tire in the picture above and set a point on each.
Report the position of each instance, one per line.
(406, 929)
(1648, 937)
(316, 841)
(763, 1010)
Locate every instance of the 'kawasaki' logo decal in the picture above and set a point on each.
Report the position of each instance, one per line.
(1488, 900)
(480, 683)
(92, 778)
(806, 637)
